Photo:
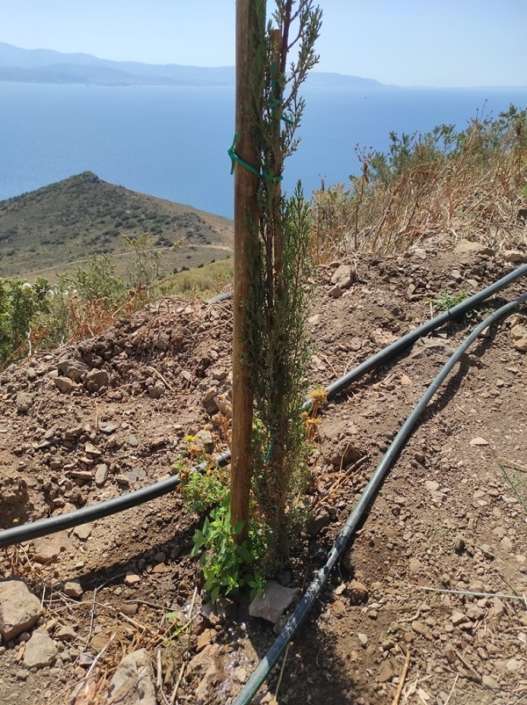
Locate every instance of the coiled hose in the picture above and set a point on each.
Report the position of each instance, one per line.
(357, 515)
(43, 527)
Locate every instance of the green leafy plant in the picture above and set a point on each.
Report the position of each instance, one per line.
(202, 491)
(227, 565)
(447, 301)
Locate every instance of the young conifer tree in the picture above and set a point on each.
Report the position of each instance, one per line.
(277, 295)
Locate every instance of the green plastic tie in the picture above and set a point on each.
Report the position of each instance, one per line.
(236, 159)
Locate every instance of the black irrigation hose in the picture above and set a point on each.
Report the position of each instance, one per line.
(43, 527)
(354, 520)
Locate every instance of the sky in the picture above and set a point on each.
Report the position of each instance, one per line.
(403, 42)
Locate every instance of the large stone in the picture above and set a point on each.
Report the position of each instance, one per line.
(48, 548)
(519, 337)
(273, 602)
(65, 384)
(19, 609)
(96, 379)
(40, 650)
(343, 276)
(133, 681)
(73, 369)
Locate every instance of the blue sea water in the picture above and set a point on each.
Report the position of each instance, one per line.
(172, 142)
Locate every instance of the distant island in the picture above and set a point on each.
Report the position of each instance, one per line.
(47, 66)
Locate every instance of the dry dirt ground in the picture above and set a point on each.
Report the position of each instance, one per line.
(451, 516)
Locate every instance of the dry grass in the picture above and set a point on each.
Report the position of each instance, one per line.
(471, 183)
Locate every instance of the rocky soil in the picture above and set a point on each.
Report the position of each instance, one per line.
(114, 611)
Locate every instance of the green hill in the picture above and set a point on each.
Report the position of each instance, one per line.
(48, 230)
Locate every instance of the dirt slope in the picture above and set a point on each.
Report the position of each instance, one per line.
(449, 517)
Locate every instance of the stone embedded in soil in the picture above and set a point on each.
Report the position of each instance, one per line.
(422, 629)
(73, 589)
(133, 681)
(83, 532)
(519, 337)
(101, 474)
(19, 609)
(96, 379)
(386, 672)
(23, 402)
(209, 665)
(64, 384)
(73, 369)
(343, 276)
(131, 579)
(345, 454)
(48, 548)
(358, 592)
(478, 441)
(40, 650)
(273, 602)
(363, 639)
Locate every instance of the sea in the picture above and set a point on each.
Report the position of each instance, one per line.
(172, 142)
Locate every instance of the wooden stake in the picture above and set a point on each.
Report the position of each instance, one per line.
(250, 32)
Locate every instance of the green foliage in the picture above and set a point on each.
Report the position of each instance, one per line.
(95, 282)
(202, 491)
(229, 566)
(447, 301)
(144, 268)
(20, 303)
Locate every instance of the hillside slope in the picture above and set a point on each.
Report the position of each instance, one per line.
(83, 216)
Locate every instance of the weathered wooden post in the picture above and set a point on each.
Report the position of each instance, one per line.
(250, 34)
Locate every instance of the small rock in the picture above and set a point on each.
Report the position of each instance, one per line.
(273, 602)
(422, 629)
(432, 485)
(133, 681)
(335, 292)
(459, 545)
(386, 672)
(40, 650)
(48, 548)
(64, 384)
(131, 579)
(66, 633)
(513, 665)
(515, 256)
(343, 276)
(96, 379)
(157, 391)
(23, 402)
(101, 474)
(490, 682)
(519, 337)
(358, 592)
(73, 589)
(204, 440)
(457, 618)
(478, 441)
(210, 403)
(363, 639)
(83, 532)
(19, 609)
(73, 369)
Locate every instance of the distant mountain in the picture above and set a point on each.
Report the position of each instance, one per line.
(47, 66)
(83, 215)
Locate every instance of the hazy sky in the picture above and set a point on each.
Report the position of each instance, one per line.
(406, 42)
